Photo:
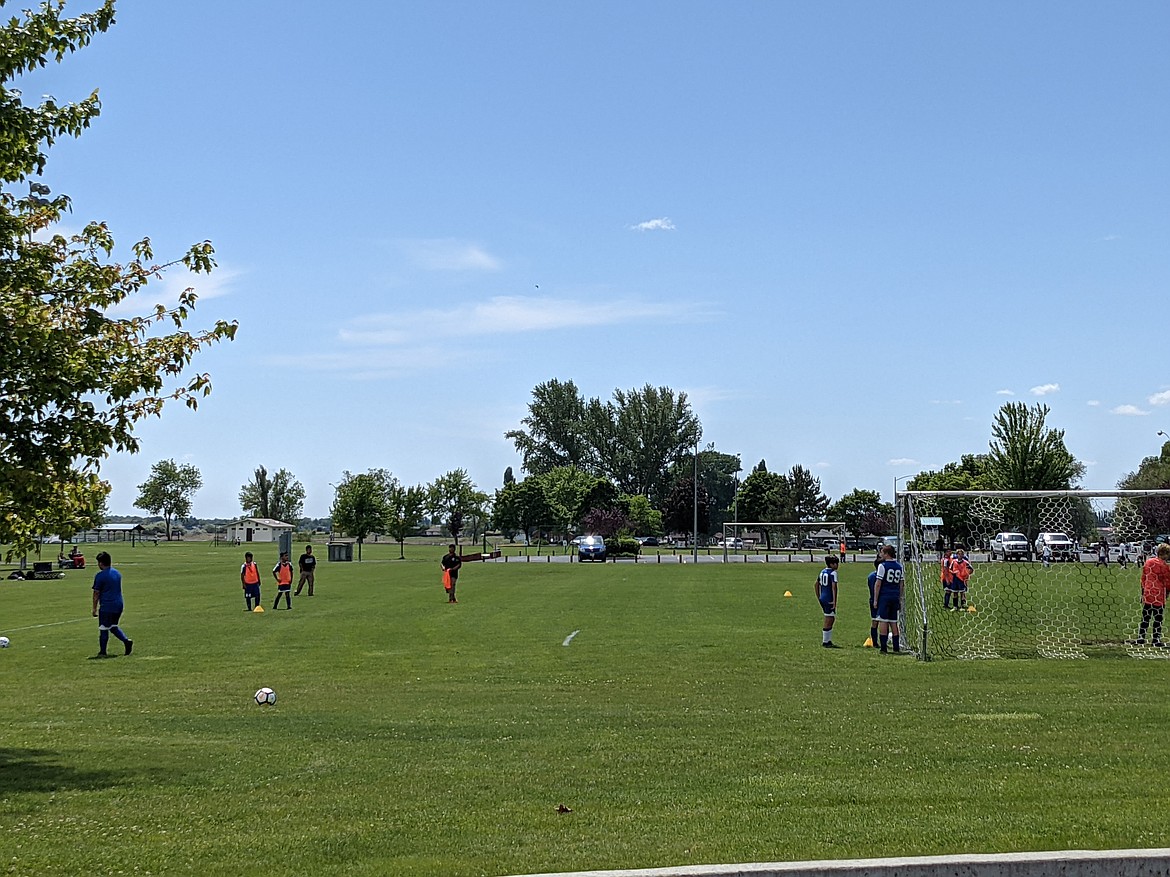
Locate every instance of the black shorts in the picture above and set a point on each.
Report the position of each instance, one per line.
(107, 620)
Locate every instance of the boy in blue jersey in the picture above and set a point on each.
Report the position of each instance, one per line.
(107, 605)
(887, 597)
(873, 616)
(826, 591)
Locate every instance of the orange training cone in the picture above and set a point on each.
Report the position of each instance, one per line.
(787, 593)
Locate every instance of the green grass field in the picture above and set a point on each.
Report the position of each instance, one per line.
(693, 718)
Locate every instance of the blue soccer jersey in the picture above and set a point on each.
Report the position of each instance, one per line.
(108, 584)
(872, 582)
(826, 581)
(890, 575)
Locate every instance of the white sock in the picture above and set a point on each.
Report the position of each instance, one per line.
(826, 636)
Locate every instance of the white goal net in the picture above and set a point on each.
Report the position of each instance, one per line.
(1053, 574)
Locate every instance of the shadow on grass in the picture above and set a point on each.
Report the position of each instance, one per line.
(40, 770)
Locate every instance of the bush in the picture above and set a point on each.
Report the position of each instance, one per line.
(622, 546)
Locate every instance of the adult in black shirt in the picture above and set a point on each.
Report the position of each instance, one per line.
(307, 563)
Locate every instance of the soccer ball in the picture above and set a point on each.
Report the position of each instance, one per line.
(265, 697)
(3, 642)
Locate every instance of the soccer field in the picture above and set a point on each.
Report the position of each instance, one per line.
(685, 714)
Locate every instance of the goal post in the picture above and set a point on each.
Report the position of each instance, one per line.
(1054, 573)
(784, 533)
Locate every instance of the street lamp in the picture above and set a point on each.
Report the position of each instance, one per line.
(695, 533)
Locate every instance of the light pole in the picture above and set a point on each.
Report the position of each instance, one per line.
(695, 525)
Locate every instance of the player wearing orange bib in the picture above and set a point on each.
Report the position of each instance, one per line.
(250, 579)
(947, 576)
(961, 571)
(282, 572)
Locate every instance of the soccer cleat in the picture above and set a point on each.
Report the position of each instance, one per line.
(129, 646)
(1136, 642)
(830, 645)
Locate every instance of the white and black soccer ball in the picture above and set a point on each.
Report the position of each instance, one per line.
(3, 642)
(265, 697)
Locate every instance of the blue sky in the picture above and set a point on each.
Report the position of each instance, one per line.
(849, 231)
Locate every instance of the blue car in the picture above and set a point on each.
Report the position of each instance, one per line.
(591, 548)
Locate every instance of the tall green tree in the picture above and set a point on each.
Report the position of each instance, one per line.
(863, 513)
(74, 380)
(521, 507)
(280, 496)
(567, 491)
(640, 435)
(970, 472)
(452, 497)
(554, 432)
(643, 517)
(807, 501)
(361, 504)
(632, 439)
(764, 496)
(405, 509)
(719, 476)
(1026, 454)
(682, 503)
(1153, 473)
(169, 491)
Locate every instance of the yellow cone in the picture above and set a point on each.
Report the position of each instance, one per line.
(787, 593)
(868, 643)
(970, 608)
(258, 609)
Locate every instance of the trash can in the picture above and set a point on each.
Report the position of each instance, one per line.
(340, 551)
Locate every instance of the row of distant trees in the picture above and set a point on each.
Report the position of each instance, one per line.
(570, 485)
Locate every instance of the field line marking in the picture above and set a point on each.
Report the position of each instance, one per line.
(569, 638)
(47, 624)
(70, 621)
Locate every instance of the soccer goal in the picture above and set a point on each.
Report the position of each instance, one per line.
(800, 535)
(1053, 574)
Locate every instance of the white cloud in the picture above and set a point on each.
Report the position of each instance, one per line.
(1005, 392)
(663, 224)
(505, 315)
(1111, 237)
(946, 401)
(1128, 411)
(174, 282)
(448, 254)
(1162, 398)
(822, 465)
(1045, 389)
(1093, 403)
(903, 461)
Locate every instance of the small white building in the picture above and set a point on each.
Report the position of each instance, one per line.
(257, 530)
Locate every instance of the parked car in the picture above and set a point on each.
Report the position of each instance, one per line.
(591, 548)
(648, 540)
(1059, 543)
(734, 543)
(1011, 546)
